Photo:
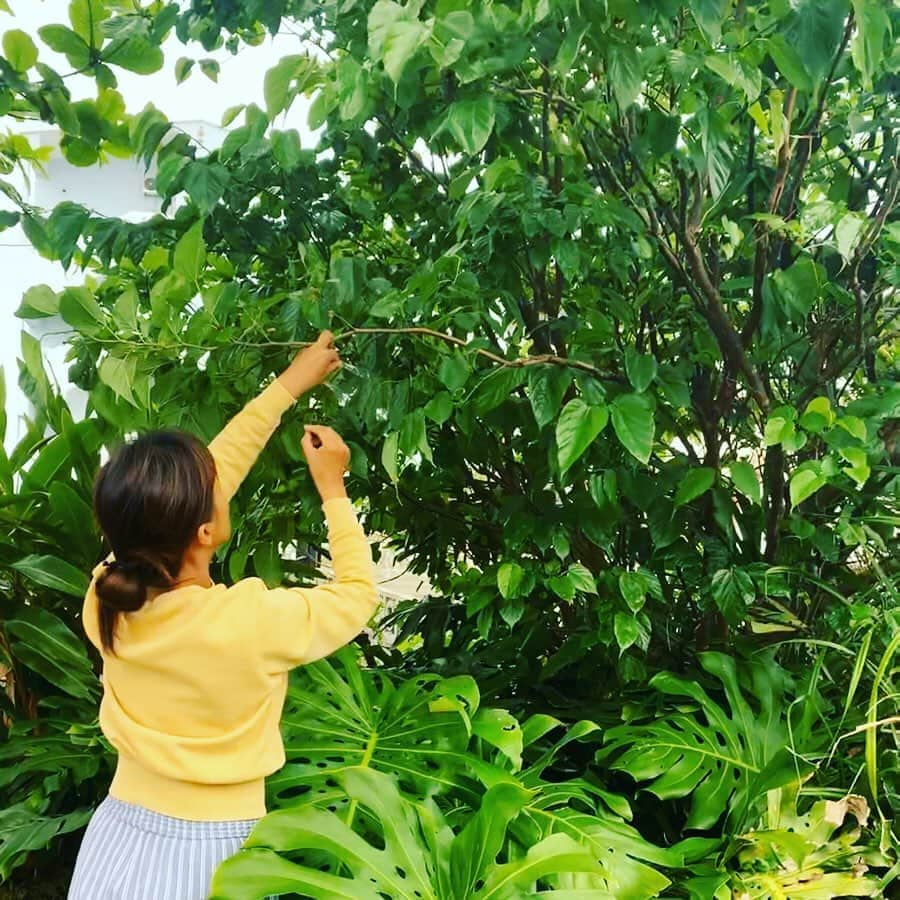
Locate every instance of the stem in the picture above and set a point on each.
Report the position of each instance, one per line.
(367, 758)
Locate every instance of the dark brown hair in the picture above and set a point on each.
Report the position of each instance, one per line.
(150, 498)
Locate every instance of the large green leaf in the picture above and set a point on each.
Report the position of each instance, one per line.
(19, 50)
(395, 34)
(872, 26)
(22, 831)
(293, 75)
(80, 310)
(632, 418)
(694, 484)
(471, 122)
(53, 572)
(577, 427)
(417, 730)
(418, 856)
(40, 641)
(704, 752)
(189, 256)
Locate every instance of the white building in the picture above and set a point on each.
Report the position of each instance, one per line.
(118, 187)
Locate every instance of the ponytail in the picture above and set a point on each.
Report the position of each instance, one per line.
(122, 587)
(149, 499)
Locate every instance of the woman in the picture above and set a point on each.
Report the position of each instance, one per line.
(195, 673)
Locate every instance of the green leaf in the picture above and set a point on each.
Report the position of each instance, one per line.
(698, 750)
(205, 184)
(509, 579)
(624, 73)
(454, 371)
(87, 17)
(816, 33)
(64, 40)
(23, 829)
(53, 572)
(847, 232)
(119, 374)
(789, 63)
(854, 426)
(858, 469)
(394, 36)
(293, 75)
(626, 630)
(189, 258)
(582, 579)
(746, 481)
(210, 68)
(640, 368)
(79, 309)
(483, 836)
(696, 483)
(633, 587)
(44, 644)
(286, 148)
(867, 46)
(136, 54)
(804, 483)
(732, 591)
(471, 122)
(125, 309)
(501, 730)
(75, 516)
(64, 227)
(439, 408)
(778, 429)
(577, 427)
(547, 386)
(709, 15)
(38, 302)
(19, 49)
(632, 418)
(34, 365)
(183, 68)
(389, 453)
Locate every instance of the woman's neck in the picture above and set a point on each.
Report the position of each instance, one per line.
(194, 569)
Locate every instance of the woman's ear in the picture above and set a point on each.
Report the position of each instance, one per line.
(205, 535)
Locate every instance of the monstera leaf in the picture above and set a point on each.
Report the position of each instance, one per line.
(720, 758)
(627, 860)
(400, 849)
(338, 715)
(444, 769)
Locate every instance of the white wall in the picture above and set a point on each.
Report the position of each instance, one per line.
(116, 188)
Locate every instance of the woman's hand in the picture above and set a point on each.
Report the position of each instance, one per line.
(311, 366)
(328, 457)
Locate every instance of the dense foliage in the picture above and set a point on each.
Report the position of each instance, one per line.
(616, 287)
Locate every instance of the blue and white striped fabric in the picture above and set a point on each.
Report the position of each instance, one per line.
(132, 853)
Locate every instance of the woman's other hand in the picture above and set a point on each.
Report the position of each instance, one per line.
(328, 457)
(312, 365)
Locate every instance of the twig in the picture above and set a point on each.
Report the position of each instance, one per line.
(542, 359)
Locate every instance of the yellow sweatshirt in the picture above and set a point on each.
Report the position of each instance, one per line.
(193, 695)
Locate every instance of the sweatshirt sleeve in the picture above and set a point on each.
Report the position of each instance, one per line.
(236, 447)
(301, 625)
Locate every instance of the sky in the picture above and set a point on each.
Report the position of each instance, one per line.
(240, 79)
(198, 98)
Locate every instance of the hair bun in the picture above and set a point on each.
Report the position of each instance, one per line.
(120, 587)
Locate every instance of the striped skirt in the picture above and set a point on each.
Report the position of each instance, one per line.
(132, 853)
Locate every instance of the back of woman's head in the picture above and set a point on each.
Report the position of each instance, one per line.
(150, 498)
